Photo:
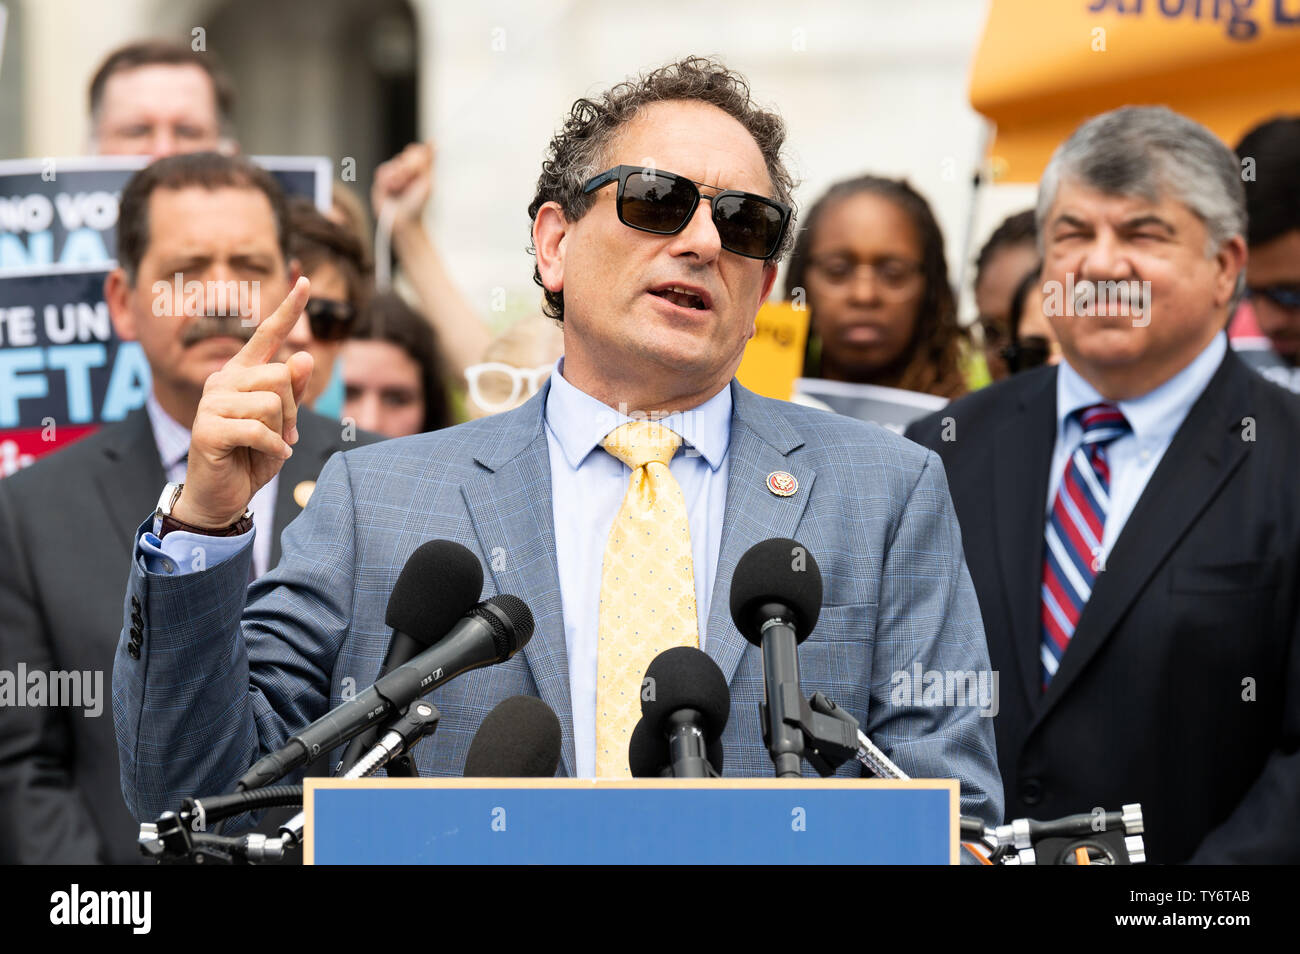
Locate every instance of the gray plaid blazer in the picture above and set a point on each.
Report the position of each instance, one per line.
(218, 683)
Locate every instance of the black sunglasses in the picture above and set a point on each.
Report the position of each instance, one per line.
(330, 320)
(1284, 296)
(652, 200)
(1031, 351)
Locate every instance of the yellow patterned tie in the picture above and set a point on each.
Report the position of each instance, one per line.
(647, 586)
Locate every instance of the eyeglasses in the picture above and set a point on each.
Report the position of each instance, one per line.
(494, 386)
(1284, 296)
(652, 200)
(330, 320)
(893, 276)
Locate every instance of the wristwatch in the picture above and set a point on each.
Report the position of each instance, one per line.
(172, 493)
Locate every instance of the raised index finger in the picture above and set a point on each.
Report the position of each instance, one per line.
(270, 334)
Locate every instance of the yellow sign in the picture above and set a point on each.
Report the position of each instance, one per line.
(1042, 68)
(773, 358)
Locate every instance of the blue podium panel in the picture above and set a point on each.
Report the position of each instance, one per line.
(641, 821)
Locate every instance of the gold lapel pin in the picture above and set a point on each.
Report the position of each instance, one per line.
(782, 484)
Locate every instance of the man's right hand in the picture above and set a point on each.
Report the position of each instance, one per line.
(246, 422)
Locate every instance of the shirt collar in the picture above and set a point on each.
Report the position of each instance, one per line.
(171, 437)
(1156, 415)
(580, 422)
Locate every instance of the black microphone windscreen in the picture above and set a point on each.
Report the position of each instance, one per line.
(776, 571)
(648, 754)
(440, 583)
(513, 611)
(685, 678)
(520, 738)
(647, 751)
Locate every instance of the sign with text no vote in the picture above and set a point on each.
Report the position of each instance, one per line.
(63, 371)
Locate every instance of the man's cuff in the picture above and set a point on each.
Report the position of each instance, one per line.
(182, 552)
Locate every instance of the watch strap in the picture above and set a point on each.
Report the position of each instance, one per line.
(240, 526)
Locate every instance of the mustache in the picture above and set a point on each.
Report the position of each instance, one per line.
(217, 326)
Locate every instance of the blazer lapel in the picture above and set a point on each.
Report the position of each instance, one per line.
(1205, 451)
(298, 475)
(132, 477)
(761, 441)
(510, 506)
(1022, 457)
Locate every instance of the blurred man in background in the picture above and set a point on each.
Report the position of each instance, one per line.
(1273, 234)
(158, 98)
(207, 222)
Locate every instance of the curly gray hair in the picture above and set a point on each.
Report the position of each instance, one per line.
(579, 146)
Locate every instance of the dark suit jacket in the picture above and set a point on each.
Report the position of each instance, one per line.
(66, 528)
(1181, 686)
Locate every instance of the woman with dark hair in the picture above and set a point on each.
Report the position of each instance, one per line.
(869, 263)
(338, 267)
(1030, 339)
(391, 378)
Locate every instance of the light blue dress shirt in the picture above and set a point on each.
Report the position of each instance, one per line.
(1154, 418)
(587, 489)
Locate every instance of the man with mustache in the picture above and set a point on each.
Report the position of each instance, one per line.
(201, 249)
(1130, 516)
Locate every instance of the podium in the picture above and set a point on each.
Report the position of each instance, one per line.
(637, 821)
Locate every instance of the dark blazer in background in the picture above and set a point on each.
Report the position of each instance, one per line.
(66, 527)
(1181, 686)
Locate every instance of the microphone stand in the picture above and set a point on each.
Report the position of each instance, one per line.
(831, 737)
(180, 837)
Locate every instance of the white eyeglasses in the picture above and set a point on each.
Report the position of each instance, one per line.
(495, 387)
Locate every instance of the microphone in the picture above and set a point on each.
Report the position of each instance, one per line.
(687, 707)
(776, 597)
(520, 738)
(492, 632)
(439, 584)
(649, 756)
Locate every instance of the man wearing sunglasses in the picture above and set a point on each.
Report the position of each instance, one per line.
(658, 221)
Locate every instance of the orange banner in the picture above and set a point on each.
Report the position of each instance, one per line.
(1043, 66)
(774, 356)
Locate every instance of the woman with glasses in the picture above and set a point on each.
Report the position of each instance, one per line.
(337, 266)
(390, 371)
(514, 366)
(869, 263)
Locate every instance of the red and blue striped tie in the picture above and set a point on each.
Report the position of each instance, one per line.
(1072, 555)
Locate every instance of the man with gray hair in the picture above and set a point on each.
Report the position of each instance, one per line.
(1138, 565)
